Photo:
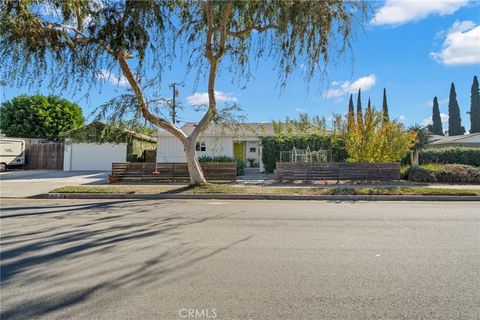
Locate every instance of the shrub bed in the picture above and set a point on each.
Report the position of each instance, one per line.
(240, 164)
(448, 173)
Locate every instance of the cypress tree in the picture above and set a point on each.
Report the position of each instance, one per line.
(369, 107)
(475, 107)
(436, 119)
(351, 112)
(350, 106)
(454, 119)
(359, 101)
(384, 105)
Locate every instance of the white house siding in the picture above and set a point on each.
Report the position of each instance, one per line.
(93, 157)
(169, 149)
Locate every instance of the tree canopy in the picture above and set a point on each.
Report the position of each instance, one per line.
(39, 117)
(74, 41)
(437, 127)
(475, 107)
(454, 119)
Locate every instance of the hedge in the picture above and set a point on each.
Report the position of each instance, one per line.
(240, 164)
(457, 155)
(447, 173)
(271, 147)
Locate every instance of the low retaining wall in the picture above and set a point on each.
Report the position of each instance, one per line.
(171, 171)
(338, 171)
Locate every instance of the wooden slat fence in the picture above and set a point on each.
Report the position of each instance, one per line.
(171, 171)
(338, 171)
(41, 154)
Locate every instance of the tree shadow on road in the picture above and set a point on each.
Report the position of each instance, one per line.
(61, 263)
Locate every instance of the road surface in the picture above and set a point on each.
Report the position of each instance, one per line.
(84, 259)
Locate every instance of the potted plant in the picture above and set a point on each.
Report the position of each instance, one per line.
(251, 162)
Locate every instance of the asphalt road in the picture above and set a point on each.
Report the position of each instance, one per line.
(72, 259)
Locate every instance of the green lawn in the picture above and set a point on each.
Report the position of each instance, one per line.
(233, 189)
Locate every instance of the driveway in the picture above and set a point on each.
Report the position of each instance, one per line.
(26, 183)
(127, 259)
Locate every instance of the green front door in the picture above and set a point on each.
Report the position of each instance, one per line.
(239, 150)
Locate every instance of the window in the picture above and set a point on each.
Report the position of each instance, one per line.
(253, 150)
(201, 146)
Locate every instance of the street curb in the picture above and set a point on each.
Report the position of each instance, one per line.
(252, 197)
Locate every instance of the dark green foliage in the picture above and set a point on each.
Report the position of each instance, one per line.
(458, 155)
(384, 105)
(423, 137)
(273, 145)
(436, 119)
(369, 106)
(240, 164)
(454, 119)
(359, 101)
(39, 117)
(350, 105)
(475, 107)
(448, 173)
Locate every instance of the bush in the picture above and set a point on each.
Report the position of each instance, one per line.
(240, 164)
(452, 155)
(448, 173)
(273, 145)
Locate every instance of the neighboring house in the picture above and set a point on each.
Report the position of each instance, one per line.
(94, 147)
(240, 141)
(468, 140)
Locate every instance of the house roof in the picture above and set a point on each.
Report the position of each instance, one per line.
(252, 129)
(98, 132)
(467, 140)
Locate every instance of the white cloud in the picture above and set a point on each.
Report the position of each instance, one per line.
(444, 117)
(201, 98)
(300, 110)
(461, 45)
(402, 118)
(398, 12)
(338, 89)
(113, 79)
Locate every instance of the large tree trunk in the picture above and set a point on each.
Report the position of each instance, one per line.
(194, 169)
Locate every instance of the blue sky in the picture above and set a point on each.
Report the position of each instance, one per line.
(414, 49)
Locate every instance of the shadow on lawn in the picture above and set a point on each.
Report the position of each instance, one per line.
(73, 253)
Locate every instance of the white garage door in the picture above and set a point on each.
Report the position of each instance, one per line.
(93, 157)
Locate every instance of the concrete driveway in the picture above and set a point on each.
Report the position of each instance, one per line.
(26, 183)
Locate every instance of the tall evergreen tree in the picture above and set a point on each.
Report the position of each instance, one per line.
(351, 111)
(436, 119)
(475, 107)
(359, 101)
(384, 105)
(454, 119)
(369, 107)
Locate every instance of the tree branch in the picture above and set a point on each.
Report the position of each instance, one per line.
(246, 31)
(143, 106)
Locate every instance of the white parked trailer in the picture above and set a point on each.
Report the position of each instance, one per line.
(12, 153)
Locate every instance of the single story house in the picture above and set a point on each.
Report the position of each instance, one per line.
(239, 141)
(467, 140)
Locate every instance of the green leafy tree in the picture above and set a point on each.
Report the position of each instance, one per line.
(39, 117)
(454, 119)
(385, 105)
(436, 127)
(475, 107)
(85, 37)
(375, 140)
